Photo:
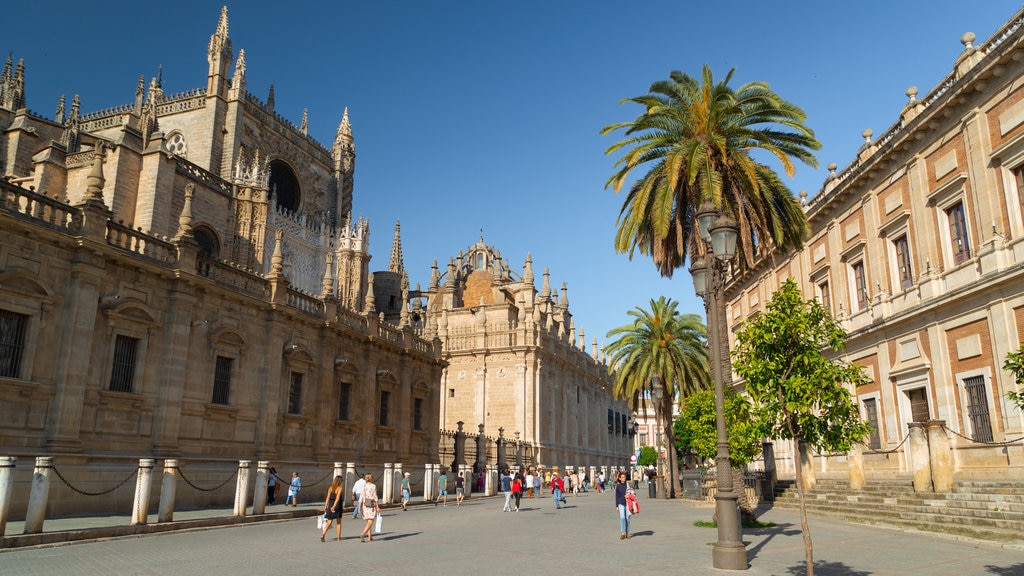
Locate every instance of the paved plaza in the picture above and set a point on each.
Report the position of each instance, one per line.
(479, 539)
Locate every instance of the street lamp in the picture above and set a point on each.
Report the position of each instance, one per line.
(719, 234)
(657, 395)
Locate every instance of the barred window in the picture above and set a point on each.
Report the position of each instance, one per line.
(417, 414)
(977, 409)
(344, 400)
(385, 401)
(122, 377)
(12, 343)
(222, 380)
(295, 394)
(871, 410)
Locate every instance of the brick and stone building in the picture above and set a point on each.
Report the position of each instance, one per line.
(917, 246)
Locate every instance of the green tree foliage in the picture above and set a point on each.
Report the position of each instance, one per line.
(1015, 364)
(660, 342)
(695, 428)
(797, 392)
(648, 456)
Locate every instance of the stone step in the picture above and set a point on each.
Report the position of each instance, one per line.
(952, 501)
(923, 507)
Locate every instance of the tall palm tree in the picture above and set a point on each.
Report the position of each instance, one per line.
(700, 141)
(659, 343)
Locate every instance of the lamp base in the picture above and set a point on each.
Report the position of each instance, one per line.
(729, 556)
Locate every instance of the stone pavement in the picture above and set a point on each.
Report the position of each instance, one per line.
(478, 538)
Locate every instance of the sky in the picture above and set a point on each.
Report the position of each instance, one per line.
(483, 119)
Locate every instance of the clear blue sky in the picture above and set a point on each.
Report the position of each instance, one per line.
(486, 115)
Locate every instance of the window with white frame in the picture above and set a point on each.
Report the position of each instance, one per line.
(978, 416)
(959, 242)
(824, 295)
(858, 285)
(904, 272)
(871, 415)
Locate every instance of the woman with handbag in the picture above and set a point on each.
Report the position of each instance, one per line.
(332, 508)
(371, 508)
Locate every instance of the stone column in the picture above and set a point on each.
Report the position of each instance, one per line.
(168, 490)
(917, 444)
(349, 481)
(143, 487)
(428, 482)
(388, 488)
(38, 496)
(259, 496)
(940, 457)
(855, 462)
(240, 488)
(6, 487)
(399, 476)
(490, 488)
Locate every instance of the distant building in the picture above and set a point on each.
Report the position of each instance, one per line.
(917, 247)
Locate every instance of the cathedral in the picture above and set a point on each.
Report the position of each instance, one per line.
(181, 277)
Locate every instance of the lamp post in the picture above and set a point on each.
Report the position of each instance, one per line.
(657, 396)
(719, 233)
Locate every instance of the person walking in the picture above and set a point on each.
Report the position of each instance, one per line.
(460, 489)
(600, 482)
(529, 484)
(538, 484)
(371, 508)
(620, 504)
(636, 478)
(357, 492)
(406, 491)
(271, 485)
(293, 490)
(517, 490)
(506, 487)
(557, 487)
(332, 507)
(442, 489)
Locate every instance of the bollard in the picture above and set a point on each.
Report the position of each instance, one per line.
(428, 482)
(349, 481)
(917, 445)
(388, 484)
(259, 496)
(855, 461)
(939, 456)
(143, 487)
(6, 487)
(399, 476)
(240, 487)
(39, 495)
(168, 490)
(490, 487)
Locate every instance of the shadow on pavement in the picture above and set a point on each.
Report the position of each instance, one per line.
(828, 569)
(769, 534)
(1014, 570)
(387, 536)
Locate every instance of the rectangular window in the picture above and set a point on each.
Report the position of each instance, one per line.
(451, 392)
(122, 377)
(12, 343)
(222, 380)
(344, 400)
(977, 408)
(385, 401)
(417, 414)
(611, 421)
(295, 394)
(906, 274)
(860, 285)
(826, 296)
(643, 439)
(618, 427)
(871, 410)
(625, 424)
(958, 233)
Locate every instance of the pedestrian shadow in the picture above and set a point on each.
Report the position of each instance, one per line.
(769, 533)
(642, 533)
(823, 568)
(1008, 570)
(396, 536)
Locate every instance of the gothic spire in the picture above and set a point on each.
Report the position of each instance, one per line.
(140, 92)
(238, 80)
(545, 290)
(305, 122)
(219, 55)
(344, 129)
(564, 302)
(270, 98)
(396, 264)
(58, 116)
(435, 277)
(528, 270)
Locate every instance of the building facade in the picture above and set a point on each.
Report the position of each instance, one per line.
(516, 363)
(917, 247)
(180, 277)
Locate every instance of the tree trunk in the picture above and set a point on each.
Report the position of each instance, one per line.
(739, 488)
(673, 462)
(808, 548)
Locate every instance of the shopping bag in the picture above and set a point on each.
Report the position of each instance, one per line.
(377, 525)
(320, 521)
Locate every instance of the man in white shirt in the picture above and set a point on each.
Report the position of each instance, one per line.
(529, 484)
(357, 489)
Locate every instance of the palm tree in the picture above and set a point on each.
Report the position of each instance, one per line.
(665, 344)
(698, 139)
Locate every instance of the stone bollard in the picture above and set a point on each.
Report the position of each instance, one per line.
(919, 465)
(241, 488)
(143, 487)
(6, 487)
(428, 482)
(387, 495)
(855, 461)
(168, 490)
(939, 456)
(490, 488)
(39, 495)
(399, 476)
(349, 481)
(259, 494)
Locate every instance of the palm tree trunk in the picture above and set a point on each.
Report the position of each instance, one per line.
(673, 462)
(739, 488)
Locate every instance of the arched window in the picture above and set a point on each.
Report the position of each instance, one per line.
(175, 144)
(208, 244)
(285, 185)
